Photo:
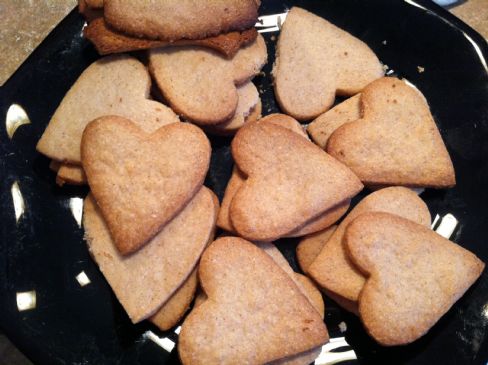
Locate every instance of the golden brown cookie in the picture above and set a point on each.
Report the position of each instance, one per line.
(200, 84)
(141, 181)
(310, 246)
(414, 275)
(177, 19)
(332, 270)
(114, 85)
(314, 61)
(156, 271)
(248, 298)
(290, 182)
(108, 40)
(237, 179)
(396, 142)
(325, 124)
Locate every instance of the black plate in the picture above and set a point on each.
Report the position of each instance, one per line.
(44, 249)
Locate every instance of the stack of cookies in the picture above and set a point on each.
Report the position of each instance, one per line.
(150, 223)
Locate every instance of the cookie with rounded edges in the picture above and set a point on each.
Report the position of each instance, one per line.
(249, 296)
(396, 142)
(306, 286)
(145, 280)
(200, 84)
(141, 181)
(325, 124)
(332, 269)
(290, 181)
(414, 275)
(113, 85)
(237, 179)
(178, 19)
(315, 60)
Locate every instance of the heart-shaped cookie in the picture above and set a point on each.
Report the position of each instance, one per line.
(314, 61)
(396, 142)
(249, 296)
(200, 84)
(290, 182)
(114, 85)
(332, 269)
(237, 179)
(139, 180)
(147, 279)
(414, 275)
(180, 19)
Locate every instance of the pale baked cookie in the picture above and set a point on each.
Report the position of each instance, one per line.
(290, 181)
(141, 181)
(248, 298)
(200, 84)
(414, 275)
(332, 269)
(237, 179)
(314, 61)
(114, 85)
(148, 278)
(180, 19)
(396, 141)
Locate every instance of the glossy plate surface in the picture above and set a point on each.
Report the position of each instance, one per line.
(42, 251)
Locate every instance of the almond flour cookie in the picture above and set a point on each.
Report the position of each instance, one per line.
(414, 275)
(396, 142)
(180, 19)
(141, 181)
(314, 61)
(114, 85)
(248, 297)
(332, 270)
(290, 181)
(200, 84)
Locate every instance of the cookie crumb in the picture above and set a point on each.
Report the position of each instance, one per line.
(385, 68)
(420, 69)
(384, 42)
(273, 38)
(342, 327)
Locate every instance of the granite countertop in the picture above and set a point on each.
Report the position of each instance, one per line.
(25, 23)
